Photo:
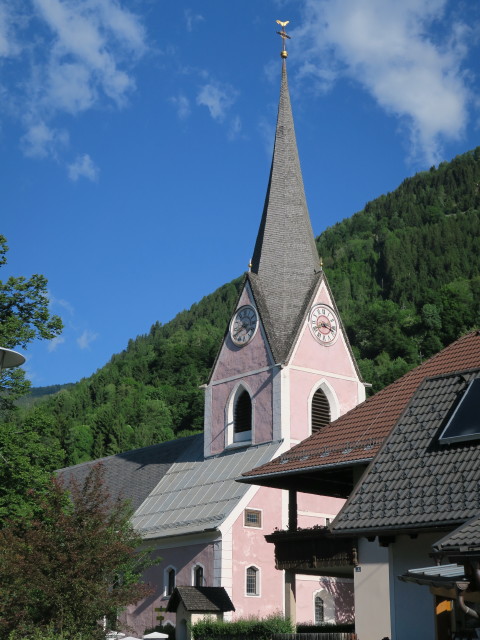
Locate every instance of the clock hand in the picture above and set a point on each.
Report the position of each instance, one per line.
(242, 328)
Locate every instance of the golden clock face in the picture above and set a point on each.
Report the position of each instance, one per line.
(243, 325)
(323, 324)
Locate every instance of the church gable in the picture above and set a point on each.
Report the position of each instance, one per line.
(324, 380)
(245, 347)
(322, 343)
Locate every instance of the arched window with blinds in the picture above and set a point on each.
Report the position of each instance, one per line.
(319, 610)
(320, 410)
(252, 586)
(242, 416)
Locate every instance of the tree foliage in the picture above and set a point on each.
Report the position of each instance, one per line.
(24, 317)
(74, 563)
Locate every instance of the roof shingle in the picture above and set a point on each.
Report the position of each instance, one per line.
(208, 599)
(415, 481)
(285, 263)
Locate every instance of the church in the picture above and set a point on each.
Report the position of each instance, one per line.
(283, 370)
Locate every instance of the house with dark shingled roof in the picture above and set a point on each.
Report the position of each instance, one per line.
(192, 604)
(413, 515)
(284, 369)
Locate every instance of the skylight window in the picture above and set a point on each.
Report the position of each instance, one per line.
(464, 423)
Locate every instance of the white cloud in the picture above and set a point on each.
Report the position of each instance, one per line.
(40, 140)
(217, 98)
(182, 105)
(388, 47)
(235, 128)
(192, 19)
(97, 35)
(61, 303)
(86, 339)
(8, 45)
(83, 167)
(54, 343)
(73, 55)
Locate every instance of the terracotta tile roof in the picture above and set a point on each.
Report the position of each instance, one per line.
(416, 481)
(357, 435)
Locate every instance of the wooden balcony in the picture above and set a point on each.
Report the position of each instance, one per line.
(314, 551)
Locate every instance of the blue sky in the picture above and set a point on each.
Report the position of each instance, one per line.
(135, 140)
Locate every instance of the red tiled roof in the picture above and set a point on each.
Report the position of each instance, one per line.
(357, 435)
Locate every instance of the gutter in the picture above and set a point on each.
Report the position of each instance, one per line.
(413, 528)
(281, 474)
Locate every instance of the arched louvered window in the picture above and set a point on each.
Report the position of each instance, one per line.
(319, 610)
(242, 417)
(320, 410)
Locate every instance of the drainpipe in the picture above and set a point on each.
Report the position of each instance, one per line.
(292, 510)
(476, 573)
(461, 588)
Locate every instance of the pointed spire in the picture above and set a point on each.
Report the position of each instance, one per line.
(285, 263)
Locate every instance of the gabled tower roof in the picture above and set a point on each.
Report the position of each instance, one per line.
(285, 264)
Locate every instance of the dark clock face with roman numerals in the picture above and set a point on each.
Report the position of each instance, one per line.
(323, 324)
(243, 325)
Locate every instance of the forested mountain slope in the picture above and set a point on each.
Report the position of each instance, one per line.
(405, 273)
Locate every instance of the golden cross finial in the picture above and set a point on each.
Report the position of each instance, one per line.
(284, 36)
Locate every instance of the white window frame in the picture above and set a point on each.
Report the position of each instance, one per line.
(258, 582)
(229, 417)
(251, 526)
(331, 396)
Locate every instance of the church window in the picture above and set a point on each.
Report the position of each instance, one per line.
(319, 610)
(253, 518)
(242, 417)
(198, 579)
(320, 410)
(252, 581)
(169, 581)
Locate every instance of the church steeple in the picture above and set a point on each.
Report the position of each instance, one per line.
(285, 265)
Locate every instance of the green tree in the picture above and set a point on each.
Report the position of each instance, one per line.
(76, 562)
(24, 316)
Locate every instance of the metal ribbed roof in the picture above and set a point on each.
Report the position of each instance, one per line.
(438, 576)
(197, 494)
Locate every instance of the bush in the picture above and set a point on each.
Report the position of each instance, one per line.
(242, 629)
(48, 634)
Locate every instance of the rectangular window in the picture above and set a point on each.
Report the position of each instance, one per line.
(253, 518)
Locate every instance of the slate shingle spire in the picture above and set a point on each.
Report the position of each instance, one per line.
(285, 265)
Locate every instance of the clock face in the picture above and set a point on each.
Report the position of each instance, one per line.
(323, 324)
(243, 325)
